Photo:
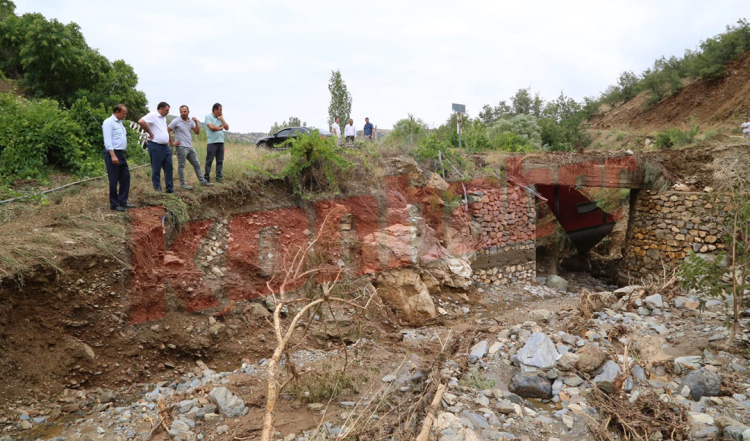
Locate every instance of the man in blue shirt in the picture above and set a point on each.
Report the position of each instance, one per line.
(115, 143)
(215, 126)
(369, 130)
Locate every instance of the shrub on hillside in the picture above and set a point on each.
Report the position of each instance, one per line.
(37, 136)
(676, 137)
(407, 129)
(711, 61)
(518, 134)
(315, 163)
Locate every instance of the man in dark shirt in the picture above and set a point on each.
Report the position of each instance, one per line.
(369, 130)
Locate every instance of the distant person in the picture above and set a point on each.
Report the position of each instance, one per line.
(369, 130)
(336, 129)
(155, 124)
(215, 126)
(350, 132)
(115, 143)
(183, 140)
(746, 128)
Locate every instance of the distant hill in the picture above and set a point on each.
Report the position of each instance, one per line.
(244, 138)
(240, 138)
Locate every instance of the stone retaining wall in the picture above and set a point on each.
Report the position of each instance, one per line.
(507, 251)
(667, 226)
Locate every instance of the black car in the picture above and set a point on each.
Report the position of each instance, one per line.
(275, 140)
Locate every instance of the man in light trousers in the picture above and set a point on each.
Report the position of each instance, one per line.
(183, 141)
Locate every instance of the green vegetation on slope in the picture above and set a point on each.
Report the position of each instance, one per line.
(71, 89)
(665, 77)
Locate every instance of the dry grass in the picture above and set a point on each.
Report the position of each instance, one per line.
(639, 421)
(43, 230)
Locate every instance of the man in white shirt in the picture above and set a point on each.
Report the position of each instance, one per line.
(336, 129)
(115, 143)
(746, 128)
(155, 124)
(350, 132)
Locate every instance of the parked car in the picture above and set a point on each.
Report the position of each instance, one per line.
(275, 140)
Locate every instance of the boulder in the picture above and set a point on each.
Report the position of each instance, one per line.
(590, 358)
(568, 361)
(404, 289)
(557, 282)
(437, 181)
(735, 432)
(626, 290)
(539, 351)
(530, 386)
(606, 379)
(689, 363)
(654, 302)
(230, 405)
(478, 351)
(540, 315)
(451, 271)
(702, 383)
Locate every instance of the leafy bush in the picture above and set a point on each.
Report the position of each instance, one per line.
(438, 155)
(406, 128)
(474, 135)
(38, 135)
(519, 133)
(676, 137)
(315, 162)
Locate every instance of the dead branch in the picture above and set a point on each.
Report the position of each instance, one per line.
(425, 433)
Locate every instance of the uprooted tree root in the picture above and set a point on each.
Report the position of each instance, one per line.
(590, 303)
(620, 420)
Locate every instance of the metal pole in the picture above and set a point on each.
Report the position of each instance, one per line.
(460, 129)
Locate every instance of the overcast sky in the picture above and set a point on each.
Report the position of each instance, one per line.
(268, 60)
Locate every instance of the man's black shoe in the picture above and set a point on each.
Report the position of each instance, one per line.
(170, 191)
(118, 208)
(128, 206)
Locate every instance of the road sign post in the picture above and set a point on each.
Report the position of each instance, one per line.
(460, 109)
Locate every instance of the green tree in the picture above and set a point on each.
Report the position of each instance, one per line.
(628, 84)
(118, 86)
(524, 103)
(7, 8)
(662, 80)
(341, 100)
(711, 62)
(407, 128)
(53, 58)
(489, 114)
(519, 133)
(293, 122)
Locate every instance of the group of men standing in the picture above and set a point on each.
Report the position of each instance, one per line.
(160, 151)
(350, 132)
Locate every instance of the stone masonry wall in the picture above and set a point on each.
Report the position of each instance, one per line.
(507, 251)
(667, 226)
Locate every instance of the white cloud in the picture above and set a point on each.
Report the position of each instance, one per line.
(266, 61)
